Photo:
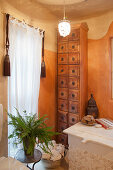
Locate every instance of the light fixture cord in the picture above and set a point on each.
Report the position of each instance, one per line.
(64, 10)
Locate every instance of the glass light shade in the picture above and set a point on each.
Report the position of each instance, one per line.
(64, 27)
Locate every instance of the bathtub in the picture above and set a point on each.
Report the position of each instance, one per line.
(90, 148)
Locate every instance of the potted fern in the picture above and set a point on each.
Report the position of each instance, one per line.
(28, 128)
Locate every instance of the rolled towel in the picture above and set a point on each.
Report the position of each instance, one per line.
(46, 156)
(55, 155)
(57, 151)
(60, 149)
(54, 142)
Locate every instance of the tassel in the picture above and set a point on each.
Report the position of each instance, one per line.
(6, 59)
(43, 69)
(43, 66)
(6, 66)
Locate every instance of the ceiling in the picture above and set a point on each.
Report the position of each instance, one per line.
(77, 9)
(60, 2)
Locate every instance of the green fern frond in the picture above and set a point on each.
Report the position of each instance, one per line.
(30, 128)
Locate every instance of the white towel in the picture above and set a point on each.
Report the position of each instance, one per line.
(1, 120)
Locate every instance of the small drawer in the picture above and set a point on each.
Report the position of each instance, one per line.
(74, 35)
(62, 82)
(74, 47)
(63, 58)
(63, 105)
(62, 116)
(63, 48)
(74, 83)
(62, 93)
(74, 70)
(63, 70)
(62, 39)
(74, 107)
(63, 139)
(62, 126)
(73, 118)
(74, 58)
(74, 95)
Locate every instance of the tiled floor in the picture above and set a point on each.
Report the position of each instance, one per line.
(40, 166)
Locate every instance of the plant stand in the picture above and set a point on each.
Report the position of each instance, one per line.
(20, 156)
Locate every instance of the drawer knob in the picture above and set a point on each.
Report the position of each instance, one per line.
(62, 140)
(62, 70)
(62, 117)
(62, 47)
(73, 108)
(73, 34)
(73, 71)
(62, 105)
(73, 46)
(73, 83)
(73, 59)
(73, 95)
(73, 120)
(62, 59)
(62, 82)
(62, 93)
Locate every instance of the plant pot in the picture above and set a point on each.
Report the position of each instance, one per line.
(28, 147)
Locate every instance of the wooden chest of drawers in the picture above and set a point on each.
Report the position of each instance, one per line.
(73, 118)
(63, 58)
(74, 71)
(74, 95)
(63, 93)
(62, 69)
(63, 105)
(62, 126)
(73, 46)
(63, 82)
(62, 138)
(72, 78)
(63, 116)
(63, 47)
(74, 35)
(74, 83)
(74, 107)
(74, 58)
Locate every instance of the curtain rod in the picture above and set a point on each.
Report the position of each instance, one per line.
(41, 30)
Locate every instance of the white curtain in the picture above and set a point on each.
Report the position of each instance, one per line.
(25, 58)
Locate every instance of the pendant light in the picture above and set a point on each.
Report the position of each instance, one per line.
(64, 26)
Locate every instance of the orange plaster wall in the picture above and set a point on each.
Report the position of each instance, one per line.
(47, 95)
(99, 73)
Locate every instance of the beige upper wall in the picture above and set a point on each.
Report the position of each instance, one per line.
(43, 19)
(98, 26)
